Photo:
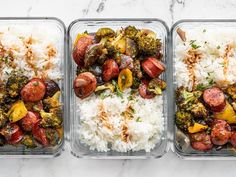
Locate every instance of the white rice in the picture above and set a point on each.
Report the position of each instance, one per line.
(13, 37)
(212, 42)
(144, 129)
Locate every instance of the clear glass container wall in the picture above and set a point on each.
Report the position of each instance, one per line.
(60, 29)
(79, 26)
(180, 146)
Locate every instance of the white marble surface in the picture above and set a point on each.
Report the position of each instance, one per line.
(68, 10)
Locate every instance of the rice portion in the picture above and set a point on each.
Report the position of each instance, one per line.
(32, 49)
(121, 124)
(217, 63)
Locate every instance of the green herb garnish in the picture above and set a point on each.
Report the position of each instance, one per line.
(193, 45)
(117, 90)
(139, 119)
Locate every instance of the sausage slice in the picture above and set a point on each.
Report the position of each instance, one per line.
(215, 99)
(84, 84)
(220, 132)
(201, 141)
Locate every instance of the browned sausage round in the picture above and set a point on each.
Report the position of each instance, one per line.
(233, 139)
(29, 121)
(110, 70)
(214, 98)
(80, 49)
(84, 84)
(201, 141)
(153, 67)
(143, 90)
(12, 133)
(34, 90)
(220, 132)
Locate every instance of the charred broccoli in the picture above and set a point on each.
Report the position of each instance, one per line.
(199, 110)
(28, 141)
(130, 32)
(3, 118)
(15, 83)
(186, 99)
(52, 136)
(50, 120)
(52, 102)
(156, 86)
(147, 42)
(231, 90)
(104, 32)
(183, 120)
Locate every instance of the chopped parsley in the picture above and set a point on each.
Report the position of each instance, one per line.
(193, 45)
(117, 90)
(139, 119)
(204, 31)
(36, 84)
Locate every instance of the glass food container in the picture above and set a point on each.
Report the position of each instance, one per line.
(60, 31)
(92, 25)
(180, 142)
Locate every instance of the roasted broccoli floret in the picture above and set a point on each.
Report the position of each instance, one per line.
(186, 99)
(52, 136)
(28, 141)
(198, 110)
(52, 102)
(15, 83)
(104, 32)
(156, 86)
(231, 90)
(3, 118)
(183, 120)
(111, 50)
(147, 42)
(130, 32)
(50, 120)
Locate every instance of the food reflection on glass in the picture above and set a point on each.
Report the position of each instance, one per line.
(119, 89)
(206, 88)
(30, 108)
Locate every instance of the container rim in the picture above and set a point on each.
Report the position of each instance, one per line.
(117, 19)
(94, 20)
(59, 149)
(178, 153)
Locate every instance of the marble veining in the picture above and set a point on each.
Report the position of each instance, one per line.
(67, 165)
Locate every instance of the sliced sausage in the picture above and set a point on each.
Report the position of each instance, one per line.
(85, 84)
(144, 93)
(12, 133)
(39, 134)
(153, 67)
(220, 132)
(28, 122)
(80, 49)
(215, 99)
(201, 141)
(34, 90)
(110, 70)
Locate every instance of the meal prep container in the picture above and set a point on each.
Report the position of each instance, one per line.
(59, 27)
(189, 153)
(79, 26)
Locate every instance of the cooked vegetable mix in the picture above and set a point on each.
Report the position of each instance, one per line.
(128, 56)
(32, 114)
